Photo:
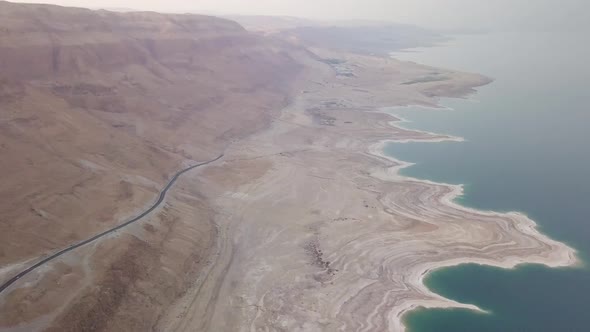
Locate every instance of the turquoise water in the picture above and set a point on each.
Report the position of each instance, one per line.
(526, 150)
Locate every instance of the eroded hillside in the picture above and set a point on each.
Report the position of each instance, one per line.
(97, 111)
(91, 100)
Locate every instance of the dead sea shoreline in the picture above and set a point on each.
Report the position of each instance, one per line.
(322, 233)
(567, 257)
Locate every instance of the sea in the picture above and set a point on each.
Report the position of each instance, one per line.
(526, 149)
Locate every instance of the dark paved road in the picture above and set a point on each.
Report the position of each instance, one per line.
(161, 198)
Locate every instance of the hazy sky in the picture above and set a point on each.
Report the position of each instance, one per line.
(450, 14)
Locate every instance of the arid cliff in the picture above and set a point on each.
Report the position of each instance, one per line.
(97, 111)
(90, 97)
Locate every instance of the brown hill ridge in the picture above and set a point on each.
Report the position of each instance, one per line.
(99, 109)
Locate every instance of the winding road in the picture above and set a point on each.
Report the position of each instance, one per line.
(159, 201)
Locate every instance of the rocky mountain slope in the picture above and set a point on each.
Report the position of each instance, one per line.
(92, 100)
(350, 36)
(97, 111)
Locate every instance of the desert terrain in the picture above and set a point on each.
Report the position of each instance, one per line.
(301, 225)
